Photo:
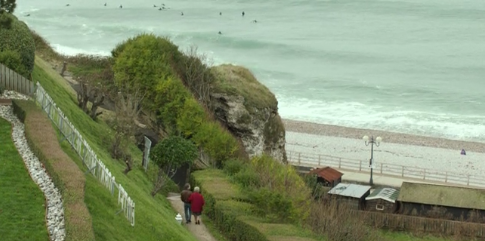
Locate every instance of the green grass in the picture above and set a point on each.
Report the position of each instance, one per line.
(229, 198)
(154, 215)
(237, 80)
(22, 203)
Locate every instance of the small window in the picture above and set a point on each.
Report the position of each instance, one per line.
(379, 207)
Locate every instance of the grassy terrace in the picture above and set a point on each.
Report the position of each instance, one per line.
(22, 211)
(225, 197)
(154, 215)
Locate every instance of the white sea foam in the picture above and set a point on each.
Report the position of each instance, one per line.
(358, 115)
(70, 51)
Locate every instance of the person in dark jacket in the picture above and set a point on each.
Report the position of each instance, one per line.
(196, 204)
(184, 196)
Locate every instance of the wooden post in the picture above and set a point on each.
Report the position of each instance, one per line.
(64, 66)
(468, 180)
(424, 176)
(340, 163)
(360, 165)
(299, 163)
(446, 177)
(381, 168)
(319, 160)
(402, 172)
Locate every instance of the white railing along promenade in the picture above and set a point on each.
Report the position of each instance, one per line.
(89, 158)
(10, 80)
(400, 171)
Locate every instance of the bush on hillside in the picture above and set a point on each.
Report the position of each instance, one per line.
(169, 155)
(170, 98)
(273, 205)
(283, 179)
(233, 166)
(43, 48)
(18, 38)
(13, 61)
(142, 61)
(190, 118)
(217, 142)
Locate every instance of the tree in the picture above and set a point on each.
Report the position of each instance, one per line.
(17, 38)
(169, 155)
(127, 109)
(197, 76)
(6, 7)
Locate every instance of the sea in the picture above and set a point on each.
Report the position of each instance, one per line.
(408, 66)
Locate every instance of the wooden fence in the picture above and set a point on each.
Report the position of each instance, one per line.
(421, 224)
(400, 171)
(10, 80)
(89, 158)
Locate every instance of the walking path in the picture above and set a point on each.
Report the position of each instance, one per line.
(382, 180)
(199, 231)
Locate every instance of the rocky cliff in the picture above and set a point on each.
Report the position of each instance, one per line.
(249, 110)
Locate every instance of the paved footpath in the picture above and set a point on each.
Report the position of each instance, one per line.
(384, 180)
(199, 231)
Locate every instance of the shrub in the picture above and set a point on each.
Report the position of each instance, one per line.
(18, 38)
(142, 61)
(229, 217)
(190, 117)
(13, 61)
(247, 178)
(283, 179)
(169, 102)
(233, 166)
(217, 142)
(273, 205)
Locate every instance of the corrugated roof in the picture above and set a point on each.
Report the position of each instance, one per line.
(327, 173)
(386, 193)
(349, 190)
(442, 195)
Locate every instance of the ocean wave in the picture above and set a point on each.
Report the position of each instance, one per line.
(360, 115)
(70, 51)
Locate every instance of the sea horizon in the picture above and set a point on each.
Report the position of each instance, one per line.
(404, 66)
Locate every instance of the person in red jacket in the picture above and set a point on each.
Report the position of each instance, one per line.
(197, 202)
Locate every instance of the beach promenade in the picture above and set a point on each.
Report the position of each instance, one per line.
(401, 157)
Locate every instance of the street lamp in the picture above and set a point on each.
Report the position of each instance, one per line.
(372, 141)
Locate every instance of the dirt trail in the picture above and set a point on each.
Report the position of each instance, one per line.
(199, 231)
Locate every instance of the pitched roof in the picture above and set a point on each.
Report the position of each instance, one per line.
(442, 195)
(385, 193)
(327, 173)
(349, 190)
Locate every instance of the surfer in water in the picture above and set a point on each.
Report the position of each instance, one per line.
(220, 13)
(243, 13)
(220, 32)
(121, 6)
(182, 13)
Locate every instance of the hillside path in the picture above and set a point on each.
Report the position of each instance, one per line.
(199, 231)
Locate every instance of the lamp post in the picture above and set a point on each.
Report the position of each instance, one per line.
(372, 141)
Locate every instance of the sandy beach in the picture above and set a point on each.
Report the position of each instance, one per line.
(396, 148)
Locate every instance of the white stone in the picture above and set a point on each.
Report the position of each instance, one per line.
(55, 210)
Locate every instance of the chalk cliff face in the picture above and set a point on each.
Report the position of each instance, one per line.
(249, 110)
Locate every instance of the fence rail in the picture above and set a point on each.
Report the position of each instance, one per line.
(89, 158)
(401, 171)
(10, 80)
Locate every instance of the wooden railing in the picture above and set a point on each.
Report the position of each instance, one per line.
(400, 171)
(10, 80)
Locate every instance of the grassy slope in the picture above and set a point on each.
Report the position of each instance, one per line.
(154, 216)
(219, 186)
(22, 211)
